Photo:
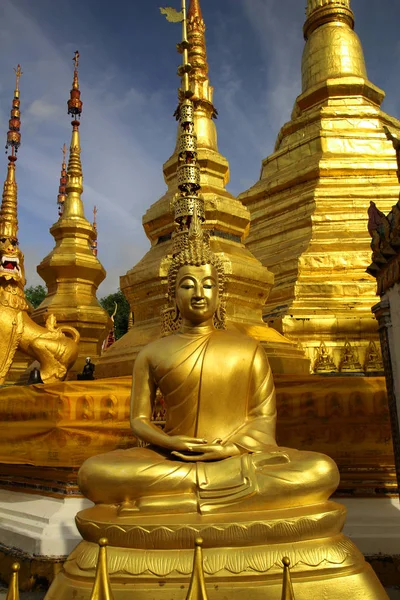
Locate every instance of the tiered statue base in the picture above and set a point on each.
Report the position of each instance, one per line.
(152, 556)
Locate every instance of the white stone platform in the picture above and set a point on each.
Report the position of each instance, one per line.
(38, 525)
(373, 524)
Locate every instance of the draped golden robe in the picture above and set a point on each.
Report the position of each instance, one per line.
(216, 385)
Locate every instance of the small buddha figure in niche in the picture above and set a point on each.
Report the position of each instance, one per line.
(87, 371)
(323, 362)
(217, 452)
(349, 362)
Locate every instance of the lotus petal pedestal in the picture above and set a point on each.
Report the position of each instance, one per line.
(152, 557)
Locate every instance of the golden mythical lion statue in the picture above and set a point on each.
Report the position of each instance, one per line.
(56, 348)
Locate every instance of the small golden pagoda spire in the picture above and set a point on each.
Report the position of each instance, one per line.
(197, 587)
(71, 270)
(94, 243)
(102, 588)
(287, 588)
(73, 206)
(13, 587)
(63, 182)
(8, 211)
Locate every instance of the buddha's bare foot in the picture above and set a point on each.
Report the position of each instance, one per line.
(165, 504)
(127, 508)
(270, 458)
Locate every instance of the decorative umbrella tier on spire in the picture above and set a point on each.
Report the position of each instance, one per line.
(313, 5)
(14, 124)
(75, 103)
(326, 11)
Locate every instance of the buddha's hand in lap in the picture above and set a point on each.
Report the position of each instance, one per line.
(182, 443)
(204, 452)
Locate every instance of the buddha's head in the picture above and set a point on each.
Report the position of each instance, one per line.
(11, 261)
(196, 286)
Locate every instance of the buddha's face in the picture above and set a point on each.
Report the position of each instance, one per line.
(196, 293)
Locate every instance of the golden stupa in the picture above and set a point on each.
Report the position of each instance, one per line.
(248, 282)
(309, 208)
(71, 270)
(215, 470)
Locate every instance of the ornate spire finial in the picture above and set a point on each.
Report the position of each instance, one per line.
(198, 54)
(287, 588)
(13, 135)
(195, 10)
(8, 211)
(75, 83)
(73, 206)
(94, 243)
(197, 587)
(18, 74)
(75, 103)
(188, 205)
(13, 588)
(63, 182)
(101, 588)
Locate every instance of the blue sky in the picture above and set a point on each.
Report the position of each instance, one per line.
(129, 86)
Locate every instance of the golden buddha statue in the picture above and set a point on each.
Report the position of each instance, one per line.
(218, 449)
(215, 470)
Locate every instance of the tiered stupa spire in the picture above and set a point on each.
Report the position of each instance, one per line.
(9, 205)
(247, 282)
(71, 271)
(63, 182)
(309, 207)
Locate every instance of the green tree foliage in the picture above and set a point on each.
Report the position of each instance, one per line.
(35, 294)
(122, 317)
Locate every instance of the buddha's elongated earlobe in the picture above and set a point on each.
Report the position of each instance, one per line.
(171, 320)
(220, 316)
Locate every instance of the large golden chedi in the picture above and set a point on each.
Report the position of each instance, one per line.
(308, 210)
(215, 470)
